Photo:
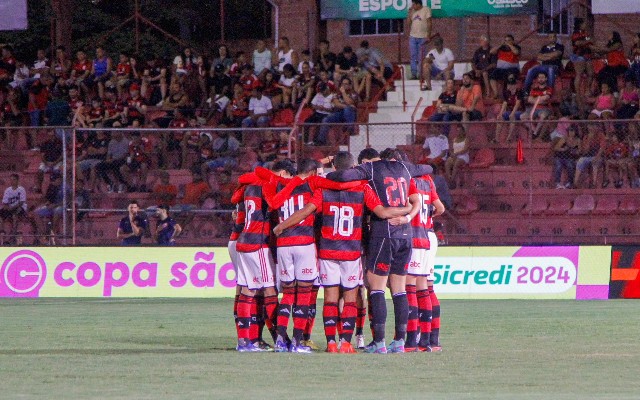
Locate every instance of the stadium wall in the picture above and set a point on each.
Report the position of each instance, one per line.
(552, 272)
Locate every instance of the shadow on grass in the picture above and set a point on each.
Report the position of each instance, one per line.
(111, 352)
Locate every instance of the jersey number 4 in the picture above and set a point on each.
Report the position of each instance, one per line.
(342, 220)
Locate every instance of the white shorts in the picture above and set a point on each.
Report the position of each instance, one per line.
(256, 269)
(297, 263)
(431, 254)
(418, 265)
(347, 274)
(234, 255)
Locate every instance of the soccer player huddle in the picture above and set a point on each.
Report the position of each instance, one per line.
(296, 231)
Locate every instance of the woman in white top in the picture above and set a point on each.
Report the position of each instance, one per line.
(286, 83)
(458, 156)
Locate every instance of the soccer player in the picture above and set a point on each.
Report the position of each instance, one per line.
(167, 229)
(340, 248)
(389, 249)
(256, 266)
(133, 226)
(421, 264)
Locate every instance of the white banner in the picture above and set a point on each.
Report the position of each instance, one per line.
(13, 15)
(615, 6)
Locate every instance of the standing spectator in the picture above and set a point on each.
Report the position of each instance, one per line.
(167, 229)
(286, 55)
(438, 64)
(165, 193)
(550, 59)
(617, 63)
(220, 89)
(458, 156)
(326, 60)
(447, 98)
(261, 58)
(483, 64)
(117, 152)
(14, 204)
(508, 54)
(581, 57)
(604, 104)
(101, 70)
(223, 57)
(51, 151)
(57, 112)
(633, 73)
(420, 19)
(11, 116)
(133, 226)
(345, 105)
(38, 99)
(260, 110)
(138, 162)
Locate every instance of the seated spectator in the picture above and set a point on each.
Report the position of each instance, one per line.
(374, 62)
(604, 104)
(195, 193)
(326, 60)
(238, 108)
(437, 64)
(60, 66)
(286, 83)
(7, 65)
(238, 65)
(21, 77)
(566, 149)
(125, 71)
(117, 153)
(538, 103)
(52, 206)
(172, 140)
(154, 79)
(550, 59)
(591, 151)
(51, 151)
(223, 57)
(303, 88)
(113, 109)
(224, 152)
(634, 158)
(95, 114)
(345, 105)
(268, 148)
(322, 104)
(633, 74)
(629, 100)
(14, 206)
(93, 151)
(39, 93)
(226, 187)
(447, 98)
(136, 107)
(101, 71)
(458, 156)
(271, 89)
(508, 54)
(305, 57)
(57, 113)
(261, 58)
(165, 193)
(616, 155)
(483, 64)
(436, 149)
(442, 187)
(248, 80)
(512, 107)
(346, 64)
(138, 163)
(177, 98)
(469, 105)
(10, 115)
(617, 63)
(184, 63)
(568, 103)
(260, 110)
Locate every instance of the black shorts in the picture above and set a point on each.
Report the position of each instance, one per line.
(388, 256)
(18, 212)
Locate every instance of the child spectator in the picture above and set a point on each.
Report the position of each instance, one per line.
(604, 104)
(286, 82)
(271, 89)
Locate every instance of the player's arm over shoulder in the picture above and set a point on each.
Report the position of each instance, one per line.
(372, 201)
(352, 174)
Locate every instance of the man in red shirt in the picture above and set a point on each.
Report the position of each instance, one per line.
(538, 102)
(508, 62)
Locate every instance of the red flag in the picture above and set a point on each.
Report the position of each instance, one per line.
(519, 152)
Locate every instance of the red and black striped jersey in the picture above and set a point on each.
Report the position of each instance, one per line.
(257, 226)
(342, 214)
(422, 223)
(303, 233)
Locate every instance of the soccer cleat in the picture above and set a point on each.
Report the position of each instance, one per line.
(346, 348)
(299, 348)
(309, 343)
(435, 349)
(376, 348)
(396, 346)
(426, 349)
(264, 346)
(332, 347)
(360, 341)
(247, 347)
(281, 346)
(411, 349)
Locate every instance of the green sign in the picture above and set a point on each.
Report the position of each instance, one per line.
(398, 9)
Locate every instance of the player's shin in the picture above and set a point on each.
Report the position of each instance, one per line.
(412, 323)
(401, 311)
(284, 310)
(378, 314)
(348, 321)
(435, 323)
(312, 313)
(330, 318)
(301, 311)
(425, 315)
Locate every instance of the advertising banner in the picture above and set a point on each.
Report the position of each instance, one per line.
(625, 272)
(13, 15)
(615, 6)
(568, 272)
(398, 9)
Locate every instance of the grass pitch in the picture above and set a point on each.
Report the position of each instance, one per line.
(183, 349)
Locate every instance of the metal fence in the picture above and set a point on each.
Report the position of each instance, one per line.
(515, 182)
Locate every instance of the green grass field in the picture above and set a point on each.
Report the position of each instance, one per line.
(183, 349)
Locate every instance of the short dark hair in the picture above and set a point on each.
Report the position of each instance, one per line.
(284, 165)
(308, 165)
(343, 160)
(133, 202)
(364, 44)
(368, 154)
(417, 1)
(389, 154)
(15, 176)
(510, 36)
(163, 207)
(347, 49)
(305, 52)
